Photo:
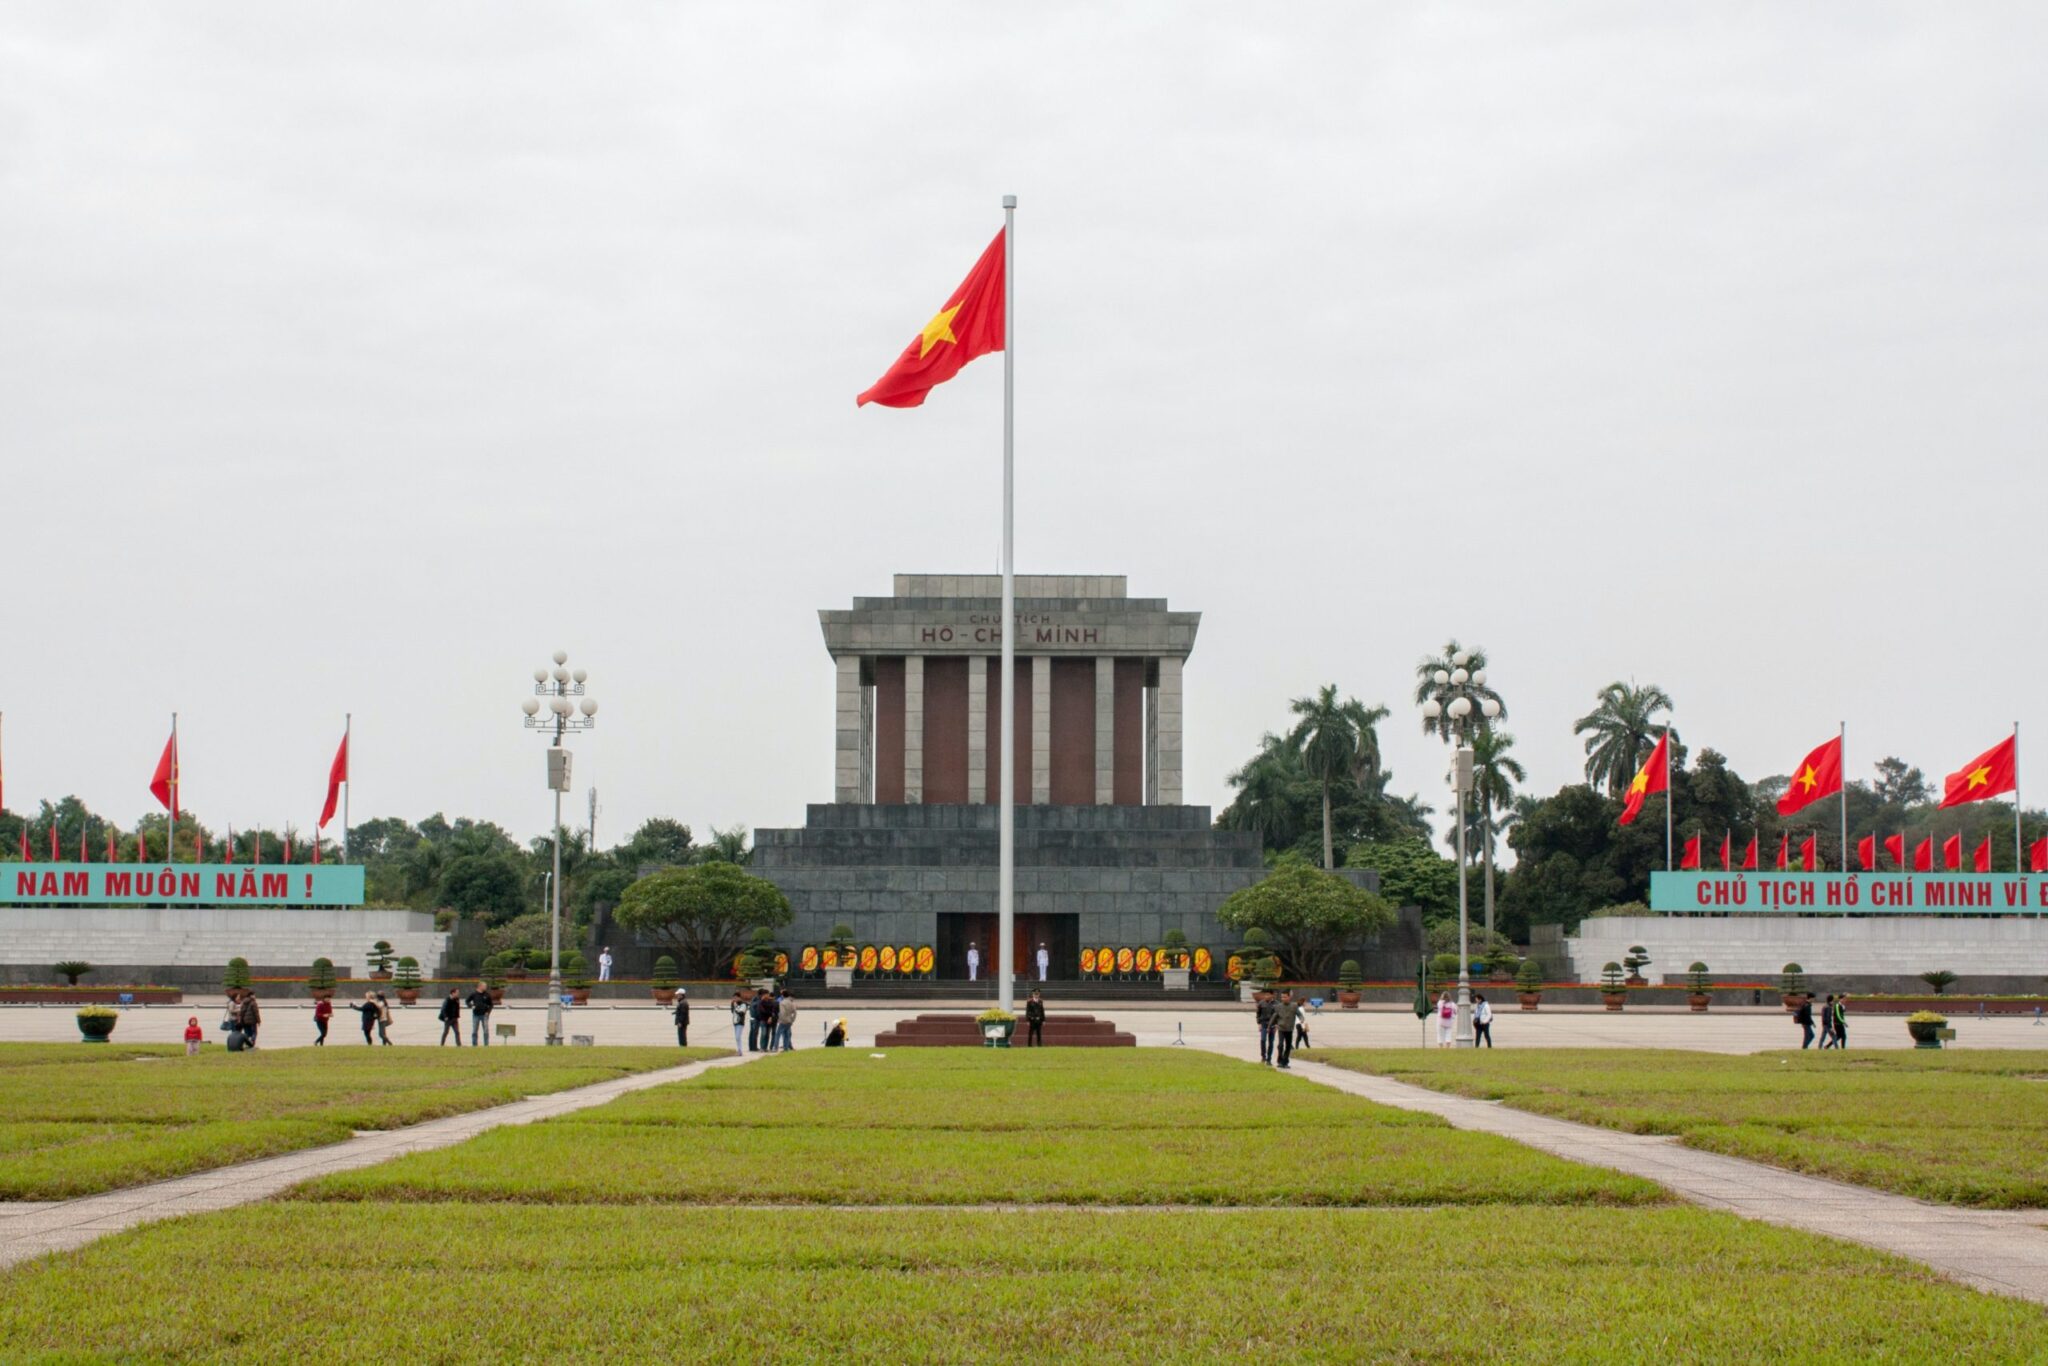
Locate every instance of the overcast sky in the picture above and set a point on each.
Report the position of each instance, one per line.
(353, 358)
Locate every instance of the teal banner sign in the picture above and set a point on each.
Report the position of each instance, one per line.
(182, 884)
(1850, 893)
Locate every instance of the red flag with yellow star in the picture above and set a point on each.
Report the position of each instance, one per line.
(969, 324)
(1994, 771)
(1819, 775)
(1653, 776)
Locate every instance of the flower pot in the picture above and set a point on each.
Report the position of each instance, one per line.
(321, 993)
(1926, 1034)
(1698, 1000)
(838, 979)
(1529, 999)
(408, 996)
(380, 975)
(579, 996)
(997, 1034)
(497, 996)
(1174, 979)
(1636, 979)
(517, 974)
(96, 1028)
(1793, 1000)
(664, 996)
(1614, 1000)
(1347, 997)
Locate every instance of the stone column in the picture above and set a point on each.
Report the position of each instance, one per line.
(867, 743)
(1152, 744)
(1041, 728)
(977, 730)
(1105, 730)
(848, 736)
(1169, 730)
(913, 728)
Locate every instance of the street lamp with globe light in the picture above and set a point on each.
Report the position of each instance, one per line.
(561, 691)
(1451, 700)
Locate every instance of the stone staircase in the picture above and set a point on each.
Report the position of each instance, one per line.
(946, 1030)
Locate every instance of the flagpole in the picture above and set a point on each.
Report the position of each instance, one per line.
(2019, 853)
(171, 835)
(1668, 794)
(348, 725)
(1006, 845)
(1842, 779)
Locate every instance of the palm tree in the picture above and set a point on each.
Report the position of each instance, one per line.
(1494, 775)
(1476, 688)
(1619, 732)
(1335, 740)
(1265, 801)
(726, 846)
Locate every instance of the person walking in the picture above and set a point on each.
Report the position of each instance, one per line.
(1034, 1021)
(1842, 1020)
(1482, 1021)
(604, 964)
(1446, 1019)
(323, 1011)
(1301, 1024)
(973, 963)
(739, 1007)
(1803, 1017)
(1827, 1022)
(1264, 1015)
(785, 1021)
(368, 1010)
(248, 1018)
(764, 1013)
(193, 1035)
(480, 1004)
(1285, 1013)
(682, 1014)
(383, 1019)
(451, 1016)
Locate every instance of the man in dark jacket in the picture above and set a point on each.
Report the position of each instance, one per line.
(1264, 1014)
(247, 1017)
(1803, 1017)
(1285, 1012)
(1034, 1019)
(480, 1016)
(682, 1018)
(451, 1016)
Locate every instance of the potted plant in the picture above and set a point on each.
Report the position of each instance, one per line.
(997, 1025)
(1504, 965)
(1924, 1025)
(320, 979)
(236, 976)
(537, 960)
(1529, 983)
(1347, 984)
(380, 961)
(71, 969)
(838, 959)
(408, 980)
(1941, 979)
(1696, 986)
(1260, 967)
(95, 1023)
(512, 962)
(1633, 962)
(1173, 961)
(1792, 986)
(493, 973)
(758, 962)
(576, 977)
(1613, 987)
(664, 980)
(1443, 970)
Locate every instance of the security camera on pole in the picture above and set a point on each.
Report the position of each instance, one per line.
(1451, 700)
(559, 689)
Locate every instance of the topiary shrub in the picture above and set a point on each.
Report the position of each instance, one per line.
(1530, 977)
(1696, 978)
(1611, 978)
(408, 976)
(1348, 975)
(321, 976)
(665, 973)
(236, 975)
(575, 971)
(1792, 980)
(379, 958)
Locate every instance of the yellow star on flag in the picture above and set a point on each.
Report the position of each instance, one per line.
(1981, 777)
(939, 329)
(1809, 779)
(1641, 783)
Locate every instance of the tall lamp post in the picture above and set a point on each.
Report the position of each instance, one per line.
(558, 690)
(1451, 700)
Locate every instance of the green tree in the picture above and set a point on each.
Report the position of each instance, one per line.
(1474, 687)
(1335, 740)
(704, 912)
(486, 885)
(1313, 915)
(1494, 775)
(726, 846)
(1272, 790)
(1411, 874)
(659, 842)
(1619, 732)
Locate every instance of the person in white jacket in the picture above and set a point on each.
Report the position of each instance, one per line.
(1482, 1021)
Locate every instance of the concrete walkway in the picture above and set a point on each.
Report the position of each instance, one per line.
(30, 1229)
(2001, 1251)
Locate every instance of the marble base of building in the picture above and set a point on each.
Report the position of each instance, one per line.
(1870, 953)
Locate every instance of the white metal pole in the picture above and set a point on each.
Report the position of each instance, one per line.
(2019, 848)
(348, 778)
(1461, 779)
(555, 913)
(171, 830)
(1842, 762)
(1006, 843)
(1667, 799)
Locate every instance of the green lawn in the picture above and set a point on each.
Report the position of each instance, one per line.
(293, 1281)
(1964, 1128)
(945, 1126)
(76, 1120)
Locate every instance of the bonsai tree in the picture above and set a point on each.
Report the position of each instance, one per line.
(1611, 978)
(408, 976)
(1348, 975)
(760, 954)
(1941, 979)
(1176, 944)
(840, 941)
(1634, 961)
(380, 957)
(1443, 970)
(1529, 980)
(493, 971)
(71, 969)
(1792, 980)
(537, 960)
(321, 977)
(575, 971)
(664, 973)
(1696, 979)
(1260, 966)
(236, 977)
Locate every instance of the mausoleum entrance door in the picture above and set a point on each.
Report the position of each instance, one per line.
(1061, 935)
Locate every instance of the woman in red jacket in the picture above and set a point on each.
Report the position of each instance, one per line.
(323, 1011)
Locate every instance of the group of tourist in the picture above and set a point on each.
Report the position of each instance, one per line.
(480, 1003)
(1447, 1020)
(375, 1010)
(1834, 1021)
(1283, 1027)
(763, 1022)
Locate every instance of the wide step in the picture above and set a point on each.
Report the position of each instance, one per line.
(949, 1030)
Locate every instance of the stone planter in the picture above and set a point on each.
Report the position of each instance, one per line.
(1793, 1000)
(579, 996)
(381, 975)
(838, 979)
(1614, 1000)
(321, 993)
(1926, 1034)
(408, 996)
(1174, 979)
(1347, 997)
(96, 1028)
(1249, 991)
(497, 996)
(1529, 999)
(665, 996)
(1698, 1001)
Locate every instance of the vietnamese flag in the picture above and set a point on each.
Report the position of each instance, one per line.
(1923, 856)
(2037, 855)
(1980, 857)
(163, 784)
(1749, 856)
(83, 856)
(1994, 771)
(26, 856)
(1819, 775)
(1690, 858)
(1895, 845)
(1866, 853)
(113, 849)
(968, 324)
(1808, 854)
(1952, 853)
(1784, 851)
(56, 853)
(1653, 776)
(1728, 852)
(316, 848)
(287, 846)
(337, 774)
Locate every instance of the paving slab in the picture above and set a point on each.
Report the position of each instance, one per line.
(2001, 1251)
(33, 1229)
